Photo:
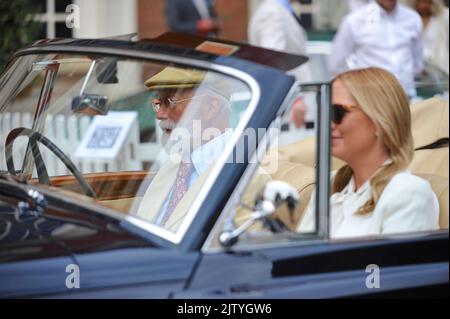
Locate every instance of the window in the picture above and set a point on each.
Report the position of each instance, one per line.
(102, 114)
(291, 157)
(53, 19)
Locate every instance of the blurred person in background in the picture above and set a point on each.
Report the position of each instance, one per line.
(385, 34)
(327, 14)
(196, 17)
(276, 25)
(356, 4)
(435, 19)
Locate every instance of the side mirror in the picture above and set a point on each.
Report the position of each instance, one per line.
(274, 194)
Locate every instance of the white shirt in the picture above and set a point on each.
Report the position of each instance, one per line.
(372, 37)
(407, 204)
(202, 158)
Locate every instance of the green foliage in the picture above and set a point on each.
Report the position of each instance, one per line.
(17, 27)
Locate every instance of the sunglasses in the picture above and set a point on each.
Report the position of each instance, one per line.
(338, 111)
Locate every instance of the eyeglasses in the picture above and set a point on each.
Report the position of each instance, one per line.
(171, 103)
(338, 111)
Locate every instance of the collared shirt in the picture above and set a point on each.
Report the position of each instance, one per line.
(371, 36)
(407, 204)
(202, 158)
(287, 5)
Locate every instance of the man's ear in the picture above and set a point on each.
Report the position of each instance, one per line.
(211, 109)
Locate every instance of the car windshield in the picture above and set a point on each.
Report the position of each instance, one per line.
(139, 137)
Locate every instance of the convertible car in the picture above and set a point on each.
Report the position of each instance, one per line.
(86, 168)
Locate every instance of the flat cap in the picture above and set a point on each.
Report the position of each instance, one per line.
(178, 78)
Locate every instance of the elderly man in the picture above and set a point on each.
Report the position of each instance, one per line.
(384, 34)
(194, 113)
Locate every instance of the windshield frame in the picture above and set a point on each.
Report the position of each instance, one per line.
(183, 61)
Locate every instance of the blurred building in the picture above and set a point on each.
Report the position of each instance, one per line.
(104, 18)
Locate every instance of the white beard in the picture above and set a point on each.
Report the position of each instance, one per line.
(176, 143)
(165, 125)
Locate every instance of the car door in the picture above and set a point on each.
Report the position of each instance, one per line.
(292, 265)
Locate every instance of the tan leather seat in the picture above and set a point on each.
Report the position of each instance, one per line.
(429, 125)
(429, 121)
(304, 152)
(432, 161)
(440, 188)
(300, 176)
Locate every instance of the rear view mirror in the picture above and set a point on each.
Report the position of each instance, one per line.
(92, 104)
(106, 71)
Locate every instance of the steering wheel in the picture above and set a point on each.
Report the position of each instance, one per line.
(35, 137)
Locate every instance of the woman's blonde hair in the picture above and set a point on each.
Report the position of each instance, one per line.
(436, 8)
(383, 100)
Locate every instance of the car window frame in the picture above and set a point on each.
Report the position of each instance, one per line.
(322, 174)
(183, 61)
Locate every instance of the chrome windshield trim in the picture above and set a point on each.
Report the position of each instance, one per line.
(323, 170)
(329, 241)
(177, 237)
(152, 228)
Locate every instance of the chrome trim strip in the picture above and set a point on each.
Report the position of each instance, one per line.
(88, 76)
(152, 228)
(246, 247)
(330, 241)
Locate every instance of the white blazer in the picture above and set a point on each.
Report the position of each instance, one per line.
(407, 204)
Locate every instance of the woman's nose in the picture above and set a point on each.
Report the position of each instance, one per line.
(333, 125)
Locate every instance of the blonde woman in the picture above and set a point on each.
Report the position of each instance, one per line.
(435, 20)
(371, 131)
